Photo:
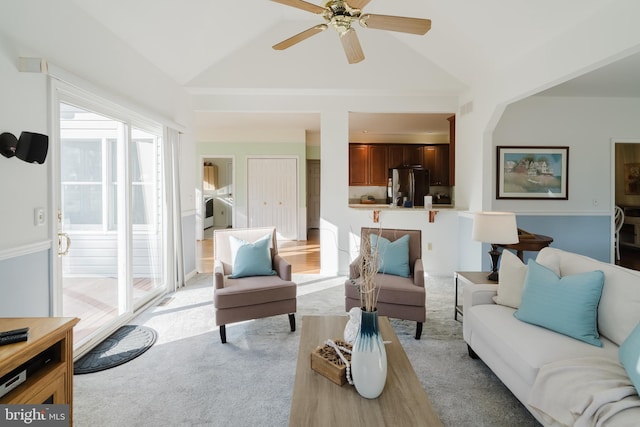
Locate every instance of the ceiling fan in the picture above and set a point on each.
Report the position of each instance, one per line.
(341, 14)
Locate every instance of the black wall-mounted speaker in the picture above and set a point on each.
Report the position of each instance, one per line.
(8, 143)
(32, 147)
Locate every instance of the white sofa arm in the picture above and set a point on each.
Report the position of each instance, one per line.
(475, 295)
(478, 294)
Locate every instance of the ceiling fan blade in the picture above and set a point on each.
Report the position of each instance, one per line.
(396, 23)
(300, 37)
(351, 45)
(358, 4)
(309, 7)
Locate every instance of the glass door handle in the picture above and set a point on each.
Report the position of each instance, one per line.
(66, 237)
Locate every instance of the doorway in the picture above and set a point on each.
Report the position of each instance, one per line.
(217, 194)
(627, 197)
(110, 219)
(313, 194)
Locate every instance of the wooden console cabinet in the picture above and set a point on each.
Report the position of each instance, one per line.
(51, 383)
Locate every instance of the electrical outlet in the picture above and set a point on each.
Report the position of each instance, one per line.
(595, 203)
(38, 216)
(429, 246)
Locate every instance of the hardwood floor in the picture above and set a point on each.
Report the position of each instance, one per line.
(95, 301)
(303, 255)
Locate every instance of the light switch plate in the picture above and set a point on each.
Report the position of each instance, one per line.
(38, 216)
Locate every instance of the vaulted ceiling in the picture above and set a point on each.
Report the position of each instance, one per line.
(215, 46)
(197, 42)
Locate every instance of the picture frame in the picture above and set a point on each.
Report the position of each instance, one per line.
(632, 179)
(532, 172)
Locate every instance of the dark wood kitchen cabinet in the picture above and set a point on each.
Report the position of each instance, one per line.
(358, 164)
(378, 165)
(436, 159)
(452, 150)
(368, 164)
(405, 155)
(396, 155)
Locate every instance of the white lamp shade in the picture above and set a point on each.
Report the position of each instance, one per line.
(495, 227)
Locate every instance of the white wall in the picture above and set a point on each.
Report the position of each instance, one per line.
(77, 45)
(587, 126)
(602, 39)
(23, 107)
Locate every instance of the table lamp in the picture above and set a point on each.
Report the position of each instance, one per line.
(495, 228)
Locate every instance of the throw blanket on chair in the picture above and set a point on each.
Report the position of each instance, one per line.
(584, 392)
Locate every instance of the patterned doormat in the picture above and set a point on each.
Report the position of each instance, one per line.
(125, 344)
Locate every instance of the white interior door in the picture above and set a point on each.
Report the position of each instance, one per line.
(273, 194)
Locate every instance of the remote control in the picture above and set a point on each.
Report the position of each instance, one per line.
(14, 332)
(10, 339)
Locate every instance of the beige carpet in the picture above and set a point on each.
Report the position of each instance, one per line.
(188, 378)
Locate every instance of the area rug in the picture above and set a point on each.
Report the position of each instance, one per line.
(125, 344)
(189, 378)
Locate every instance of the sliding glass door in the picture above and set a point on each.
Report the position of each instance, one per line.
(110, 219)
(147, 262)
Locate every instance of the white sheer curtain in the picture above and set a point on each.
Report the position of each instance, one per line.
(172, 148)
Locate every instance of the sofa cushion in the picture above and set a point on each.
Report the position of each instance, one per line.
(251, 259)
(619, 309)
(525, 348)
(510, 280)
(568, 305)
(630, 356)
(393, 257)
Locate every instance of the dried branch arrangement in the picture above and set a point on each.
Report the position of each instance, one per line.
(368, 270)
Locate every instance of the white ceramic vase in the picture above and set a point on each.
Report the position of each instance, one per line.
(369, 358)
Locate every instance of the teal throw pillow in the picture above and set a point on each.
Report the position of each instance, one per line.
(393, 257)
(251, 259)
(629, 354)
(567, 305)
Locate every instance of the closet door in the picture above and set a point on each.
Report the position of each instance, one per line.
(273, 194)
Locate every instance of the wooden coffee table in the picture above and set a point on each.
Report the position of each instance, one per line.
(319, 402)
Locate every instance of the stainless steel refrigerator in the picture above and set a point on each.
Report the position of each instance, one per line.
(407, 186)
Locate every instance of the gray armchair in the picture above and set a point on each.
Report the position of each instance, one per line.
(250, 297)
(399, 297)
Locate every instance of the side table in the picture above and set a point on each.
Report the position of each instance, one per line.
(469, 278)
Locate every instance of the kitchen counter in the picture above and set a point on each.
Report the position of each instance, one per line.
(398, 208)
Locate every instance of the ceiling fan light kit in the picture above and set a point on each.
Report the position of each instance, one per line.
(341, 15)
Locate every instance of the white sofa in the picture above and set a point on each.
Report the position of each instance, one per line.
(517, 351)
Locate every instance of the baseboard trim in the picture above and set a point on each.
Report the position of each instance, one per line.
(188, 276)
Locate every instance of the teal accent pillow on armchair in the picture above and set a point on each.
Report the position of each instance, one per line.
(251, 259)
(567, 305)
(393, 257)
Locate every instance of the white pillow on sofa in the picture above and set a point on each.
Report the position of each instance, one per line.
(549, 259)
(513, 272)
(510, 280)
